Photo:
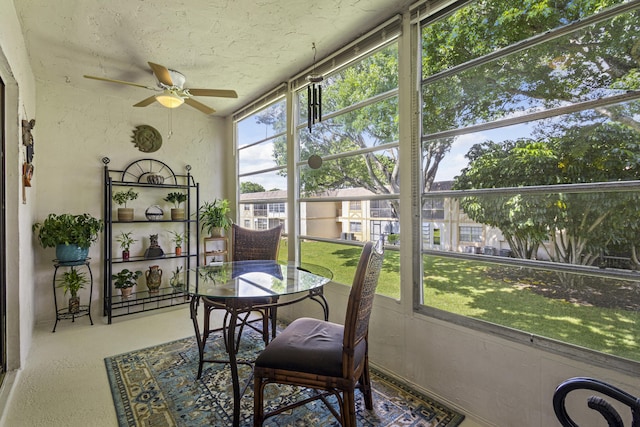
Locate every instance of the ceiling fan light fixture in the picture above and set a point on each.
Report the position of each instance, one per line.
(169, 99)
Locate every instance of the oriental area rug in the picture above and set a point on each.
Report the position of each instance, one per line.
(157, 387)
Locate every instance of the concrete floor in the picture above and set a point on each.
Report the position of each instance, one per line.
(64, 382)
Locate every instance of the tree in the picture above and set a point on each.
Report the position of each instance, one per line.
(250, 187)
(580, 226)
(598, 61)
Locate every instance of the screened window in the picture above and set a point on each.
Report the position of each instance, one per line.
(436, 236)
(470, 234)
(262, 160)
(426, 235)
(534, 115)
(276, 207)
(433, 209)
(381, 209)
(388, 231)
(358, 142)
(260, 209)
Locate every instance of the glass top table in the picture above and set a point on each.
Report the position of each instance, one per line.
(241, 287)
(255, 279)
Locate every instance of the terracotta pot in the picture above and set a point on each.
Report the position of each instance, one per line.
(178, 251)
(125, 214)
(126, 293)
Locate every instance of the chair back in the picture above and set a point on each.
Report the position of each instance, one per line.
(249, 244)
(608, 412)
(365, 281)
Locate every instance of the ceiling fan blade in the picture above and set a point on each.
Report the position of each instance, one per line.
(145, 102)
(162, 73)
(220, 93)
(120, 81)
(199, 106)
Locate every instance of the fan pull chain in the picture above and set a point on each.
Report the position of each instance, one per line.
(170, 123)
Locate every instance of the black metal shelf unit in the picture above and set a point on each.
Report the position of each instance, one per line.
(135, 175)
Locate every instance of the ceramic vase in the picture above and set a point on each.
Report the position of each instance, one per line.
(154, 278)
(74, 305)
(71, 253)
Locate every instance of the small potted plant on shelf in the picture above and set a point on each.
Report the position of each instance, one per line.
(177, 279)
(177, 198)
(71, 235)
(72, 281)
(125, 280)
(125, 241)
(177, 238)
(125, 214)
(214, 217)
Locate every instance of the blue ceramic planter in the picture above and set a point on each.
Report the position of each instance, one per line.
(71, 253)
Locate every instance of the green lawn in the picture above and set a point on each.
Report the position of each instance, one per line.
(472, 289)
(342, 260)
(489, 292)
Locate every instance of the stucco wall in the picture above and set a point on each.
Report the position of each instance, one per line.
(79, 130)
(20, 103)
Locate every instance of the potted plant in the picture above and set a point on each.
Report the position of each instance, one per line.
(177, 279)
(72, 281)
(70, 234)
(177, 238)
(177, 198)
(394, 238)
(214, 217)
(125, 241)
(125, 280)
(125, 214)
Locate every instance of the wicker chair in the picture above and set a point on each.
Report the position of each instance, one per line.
(330, 358)
(246, 245)
(255, 244)
(596, 403)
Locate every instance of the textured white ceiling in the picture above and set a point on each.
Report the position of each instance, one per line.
(246, 45)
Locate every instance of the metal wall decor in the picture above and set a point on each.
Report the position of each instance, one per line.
(146, 138)
(314, 94)
(27, 138)
(27, 165)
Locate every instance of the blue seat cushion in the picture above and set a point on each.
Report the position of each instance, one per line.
(309, 345)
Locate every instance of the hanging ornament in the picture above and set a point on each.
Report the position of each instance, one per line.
(314, 94)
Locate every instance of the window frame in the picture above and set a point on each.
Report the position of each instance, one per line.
(606, 360)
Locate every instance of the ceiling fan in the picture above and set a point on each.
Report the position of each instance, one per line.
(173, 93)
